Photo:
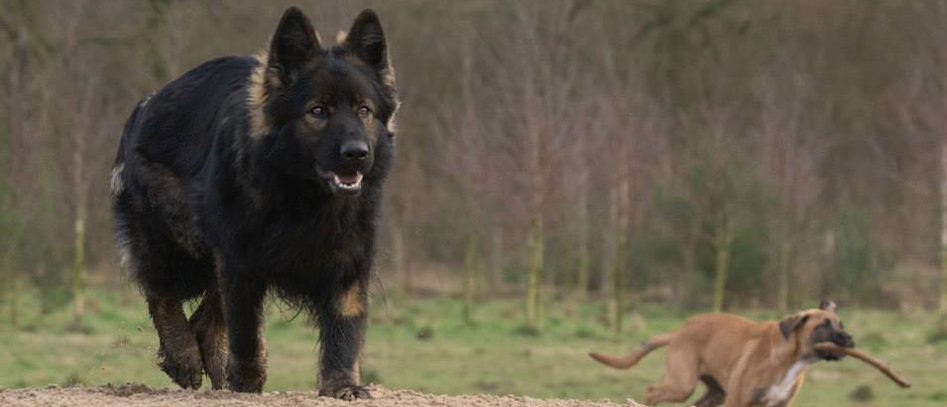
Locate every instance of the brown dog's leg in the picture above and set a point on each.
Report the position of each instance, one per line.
(680, 379)
(714, 395)
(207, 322)
(178, 354)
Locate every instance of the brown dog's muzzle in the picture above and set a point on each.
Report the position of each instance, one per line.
(840, 338)
(843, 339)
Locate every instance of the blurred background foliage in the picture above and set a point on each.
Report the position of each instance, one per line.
(695, 154)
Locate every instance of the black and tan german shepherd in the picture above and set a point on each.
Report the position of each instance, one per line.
(255, 174)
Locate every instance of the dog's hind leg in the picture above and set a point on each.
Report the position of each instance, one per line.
(715, 394)
(207, 322)
(680, 380)
(178, 353)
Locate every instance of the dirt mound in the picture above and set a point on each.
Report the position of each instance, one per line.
(139, 395)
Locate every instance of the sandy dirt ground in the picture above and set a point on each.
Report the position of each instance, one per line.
(139, 395)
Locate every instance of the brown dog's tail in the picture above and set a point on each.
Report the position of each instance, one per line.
(626, 362)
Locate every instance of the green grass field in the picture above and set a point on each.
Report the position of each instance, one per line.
(422, 345)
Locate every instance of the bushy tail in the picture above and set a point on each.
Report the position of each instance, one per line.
(626, 362)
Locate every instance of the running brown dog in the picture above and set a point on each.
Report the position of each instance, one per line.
(742, 362)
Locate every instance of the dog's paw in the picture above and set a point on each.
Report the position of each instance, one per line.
(184, 367)
(246, 377)
(347, 392)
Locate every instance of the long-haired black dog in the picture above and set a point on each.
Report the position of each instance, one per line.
(255, 174)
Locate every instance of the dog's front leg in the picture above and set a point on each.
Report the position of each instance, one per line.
(242, 298)
(342, 323)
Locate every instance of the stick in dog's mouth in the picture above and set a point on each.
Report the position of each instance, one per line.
(864, 357)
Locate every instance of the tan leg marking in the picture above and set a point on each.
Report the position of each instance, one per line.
(350, 303)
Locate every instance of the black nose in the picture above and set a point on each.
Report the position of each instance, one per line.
(354, 150)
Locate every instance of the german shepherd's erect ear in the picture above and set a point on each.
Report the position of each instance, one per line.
(790, 323)
(366, 41)
(294, 44)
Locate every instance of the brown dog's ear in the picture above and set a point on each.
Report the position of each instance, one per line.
(789, 324)
(827, 305)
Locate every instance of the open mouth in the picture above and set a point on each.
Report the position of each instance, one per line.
(346, 182)
(832, 356)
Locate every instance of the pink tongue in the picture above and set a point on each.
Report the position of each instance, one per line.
(348, 178)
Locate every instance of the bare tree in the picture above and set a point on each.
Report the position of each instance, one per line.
(942, 292)
(17, 99)
(540, 86)
(939, 32)
(720, 199)
(80, 128)
(791, 148)
(537, 138)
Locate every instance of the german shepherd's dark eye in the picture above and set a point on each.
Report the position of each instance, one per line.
(318, 111)
(364, 111)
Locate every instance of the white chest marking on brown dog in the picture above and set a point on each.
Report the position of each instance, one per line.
(780, 392)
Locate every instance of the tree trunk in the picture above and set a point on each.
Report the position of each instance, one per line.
(80, 197)
(582, 284)
(620, 211)
(611, 289)
(14, 296)
(534, 271)
(496, 259)
(688, 270)
(538, 156)
(943, 242)
(400, 258)
(784, 277)
(469, 279)
(582, 220)
(624, 230)
(722, 240)
(603, 273)
(16, 101)
(78, 266)
(584, 256)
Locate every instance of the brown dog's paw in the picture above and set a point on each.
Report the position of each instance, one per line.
(347, 392)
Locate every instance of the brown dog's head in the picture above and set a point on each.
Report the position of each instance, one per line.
(816, 326)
